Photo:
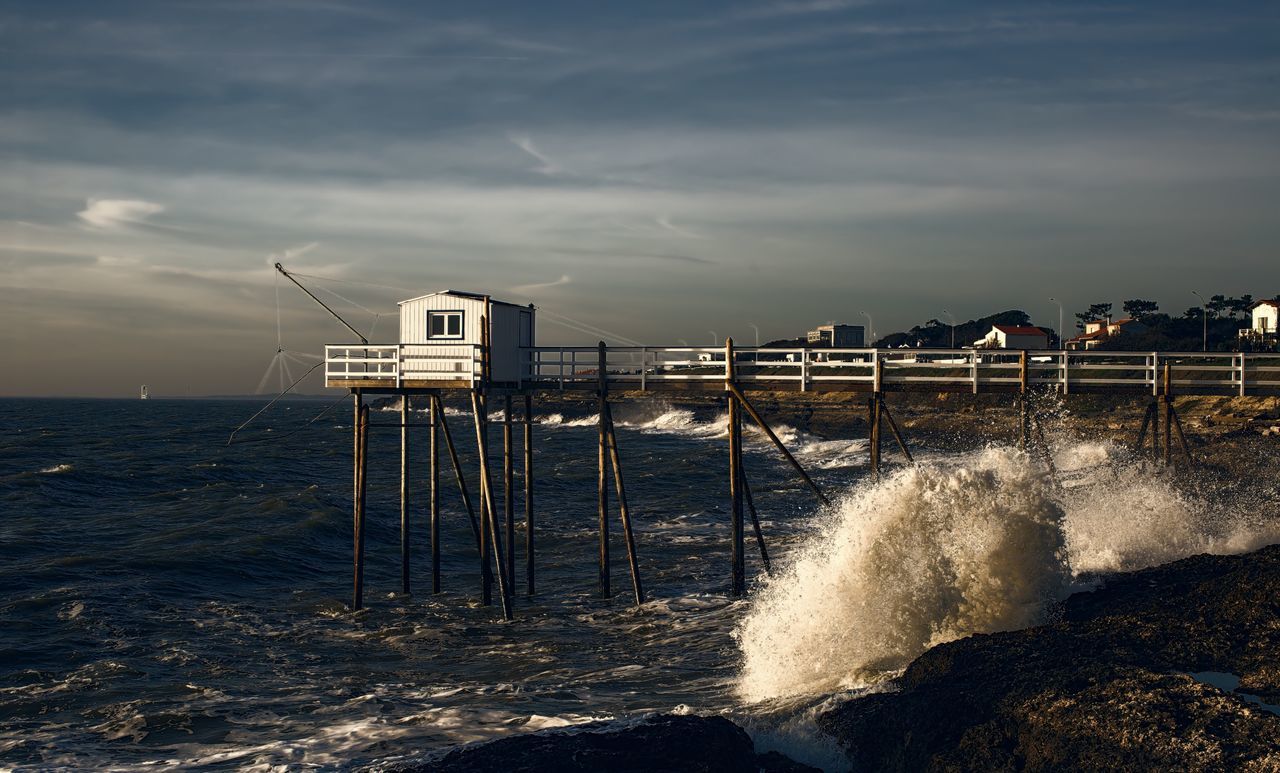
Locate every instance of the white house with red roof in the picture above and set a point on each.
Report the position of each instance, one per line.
(1014, 337)
(1102, 329)
(1266, 318)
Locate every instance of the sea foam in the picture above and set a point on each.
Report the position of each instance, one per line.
(951, 548)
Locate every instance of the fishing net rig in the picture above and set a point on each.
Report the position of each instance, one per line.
(284, 356)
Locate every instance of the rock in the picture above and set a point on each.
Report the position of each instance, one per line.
(1105, 688)
(657, 742)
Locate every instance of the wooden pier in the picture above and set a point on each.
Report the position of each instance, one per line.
(414, 371)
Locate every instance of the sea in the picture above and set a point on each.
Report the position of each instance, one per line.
(172, 600)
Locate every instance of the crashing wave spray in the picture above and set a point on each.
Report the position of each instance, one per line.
(928, 555)
(940, 551)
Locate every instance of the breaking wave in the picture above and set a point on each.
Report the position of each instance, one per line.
(939, 551)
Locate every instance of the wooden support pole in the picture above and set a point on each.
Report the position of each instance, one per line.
(362, 479)
(873, 416)
(491, 538)
(1046, 451)
(435, 494)
(457, 469)
(528, 494)
(755, 518)
(1024, 407)
(764, 426)
(356, 402)
(1155, 431)
(602, 483)
(508, 488)
(738, 582)
(1168, 414)
(897, 435)
(1142, 432)
(482, 451)
(623, 511)
(404, 493)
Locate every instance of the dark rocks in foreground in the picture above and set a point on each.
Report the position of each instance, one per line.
(660, 742)
(1107, 688)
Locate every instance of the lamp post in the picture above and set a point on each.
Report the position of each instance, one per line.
(715, 339)
(871, 328)
(1204, 316)
(1060, 343)
(753, 327)
(952, 318)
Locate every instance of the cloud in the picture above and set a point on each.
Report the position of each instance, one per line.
(525, 143)
(118, 213)
(563, 280)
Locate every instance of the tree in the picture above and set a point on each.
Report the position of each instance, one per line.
(1240, 305)
(1138, 308)
(1096, 311)
(1216, 305)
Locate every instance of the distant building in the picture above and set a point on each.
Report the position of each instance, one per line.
(1266, 319)
(838, 336)
(1100, 330)
(1014, 337)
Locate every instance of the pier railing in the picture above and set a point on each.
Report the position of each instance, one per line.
(665, 368)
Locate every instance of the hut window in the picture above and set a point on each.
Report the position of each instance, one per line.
(444, 324)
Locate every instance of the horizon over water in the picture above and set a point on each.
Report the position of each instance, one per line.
(170, 601)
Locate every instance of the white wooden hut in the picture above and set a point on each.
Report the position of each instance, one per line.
(440, 336)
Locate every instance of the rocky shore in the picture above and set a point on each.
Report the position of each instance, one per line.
(1176, 667)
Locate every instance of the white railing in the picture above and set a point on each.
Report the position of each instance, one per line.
(651, 367)
(670, 367)
(393, 364)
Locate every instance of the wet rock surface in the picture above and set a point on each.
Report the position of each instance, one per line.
(659, 742)
(1110, 686)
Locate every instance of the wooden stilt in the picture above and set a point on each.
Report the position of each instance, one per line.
(491, 542)
(508, 488)
(433, 411)
(1024, 406)
(1155, 431)
(744, 403)
(1046, 451)
(404, 493)
(457, 468)
(738, 582)
(1168, 414)
(528, 494)
(482, 451)
(1142, 432)
(873, 414)
(897, 435)
(356, 402)
(623, 511)
(755, 518)
(602, 483)
(362, 479)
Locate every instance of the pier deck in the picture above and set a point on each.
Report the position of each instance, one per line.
(405, 367)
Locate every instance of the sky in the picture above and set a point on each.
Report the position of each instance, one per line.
(665, 171)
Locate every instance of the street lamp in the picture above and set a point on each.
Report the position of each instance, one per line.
(871, 328)
(1055, 300)
(1204, 315)
(753, 327)
(952, 318)
(715, 339)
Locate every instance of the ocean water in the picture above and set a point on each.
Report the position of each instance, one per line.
(169, 601)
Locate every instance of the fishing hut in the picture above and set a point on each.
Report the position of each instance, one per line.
(470, 345)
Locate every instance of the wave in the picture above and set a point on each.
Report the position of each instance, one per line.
(942, 550)
(57, 469)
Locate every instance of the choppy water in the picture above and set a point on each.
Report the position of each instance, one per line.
(166, 600)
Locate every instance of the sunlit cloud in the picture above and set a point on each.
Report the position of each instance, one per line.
(118, 213)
